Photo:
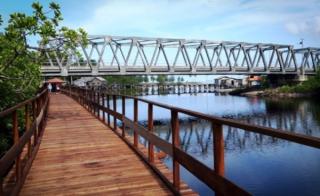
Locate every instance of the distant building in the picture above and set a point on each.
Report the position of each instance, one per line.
(254, 80)
(90, 82)
(82, 82)
(97, 82)
(228, 82)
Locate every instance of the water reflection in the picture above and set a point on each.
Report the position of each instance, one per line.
(261, 164)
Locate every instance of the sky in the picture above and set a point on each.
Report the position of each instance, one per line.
(266, 21)
(258, 21)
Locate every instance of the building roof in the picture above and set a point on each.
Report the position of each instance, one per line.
(226, 78)
(98, 78)
(55, 80)
(254, 78)
(83, 79)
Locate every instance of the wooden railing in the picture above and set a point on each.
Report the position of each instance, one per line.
(213, 177)
(16, 162)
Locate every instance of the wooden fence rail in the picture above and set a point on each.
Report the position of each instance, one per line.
(14, 167)
(213, 177)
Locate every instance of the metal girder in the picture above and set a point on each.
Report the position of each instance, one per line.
(117, 55)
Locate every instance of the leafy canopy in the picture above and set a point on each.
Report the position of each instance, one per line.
(20, 61)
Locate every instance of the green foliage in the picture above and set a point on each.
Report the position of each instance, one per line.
(161, 79)
(146, 79)
(20, 61)
(312, 85)
(124, 80)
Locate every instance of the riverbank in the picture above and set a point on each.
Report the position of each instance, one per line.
(307, 88)
(276, 92)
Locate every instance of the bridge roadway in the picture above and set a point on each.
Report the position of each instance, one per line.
(78, 154)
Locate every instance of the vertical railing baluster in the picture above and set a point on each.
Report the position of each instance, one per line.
(27, 124)
(16, 141)
(123, 115)
(34, 116)
(94, 102)
(150, 128)
(91, 101)
(135, 120)
(114, 100)
(175, 144)
(98, 105)
(108, 106)
(103, 106)
(218, 148)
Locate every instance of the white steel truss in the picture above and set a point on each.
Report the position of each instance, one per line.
(115, 55)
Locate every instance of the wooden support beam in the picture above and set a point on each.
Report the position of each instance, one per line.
(124, 114)
(135, 120)
(114, 100)
(218, 149)
(103, 104)
(15, 132)
(27, 127)
(175, 143)
(150, 128)
(108, 106)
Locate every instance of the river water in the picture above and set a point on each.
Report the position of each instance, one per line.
(262, 165)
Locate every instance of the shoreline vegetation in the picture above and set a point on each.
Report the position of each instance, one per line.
(306, 88)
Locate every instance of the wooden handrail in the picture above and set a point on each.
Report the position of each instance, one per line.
(12, 164)
(213, 177)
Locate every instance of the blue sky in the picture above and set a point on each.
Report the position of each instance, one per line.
(264, 21)
(268, 21)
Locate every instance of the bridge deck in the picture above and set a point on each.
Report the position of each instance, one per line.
(80, 155)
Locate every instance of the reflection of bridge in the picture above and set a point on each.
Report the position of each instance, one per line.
(196, 136)
(114, 55)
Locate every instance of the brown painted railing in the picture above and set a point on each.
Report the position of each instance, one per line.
(213, 177)
(16, 162)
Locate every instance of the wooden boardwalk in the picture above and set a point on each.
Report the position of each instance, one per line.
(80, 155)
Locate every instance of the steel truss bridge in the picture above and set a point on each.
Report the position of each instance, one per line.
(116, 55)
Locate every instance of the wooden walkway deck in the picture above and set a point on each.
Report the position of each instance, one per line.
(80, 155)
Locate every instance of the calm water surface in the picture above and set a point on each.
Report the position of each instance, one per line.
(260, 164)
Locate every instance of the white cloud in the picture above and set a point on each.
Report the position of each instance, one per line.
(202, 18)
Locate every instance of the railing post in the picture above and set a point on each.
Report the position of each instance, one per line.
(123, 115)
(218, 145)
(91, 101)
(114, 100)
(34, 115)
(175, 144)
(150, 128)
(135, 120)
(16, 141)
(103, 112)
(98, 104)
(27, 124)
(94, 102)
(108, 106)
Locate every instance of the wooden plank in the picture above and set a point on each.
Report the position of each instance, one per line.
(80, 155)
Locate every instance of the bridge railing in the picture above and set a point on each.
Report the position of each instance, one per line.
(99, 104)
(27, 120)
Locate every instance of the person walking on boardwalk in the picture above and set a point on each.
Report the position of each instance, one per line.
(49, 87)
